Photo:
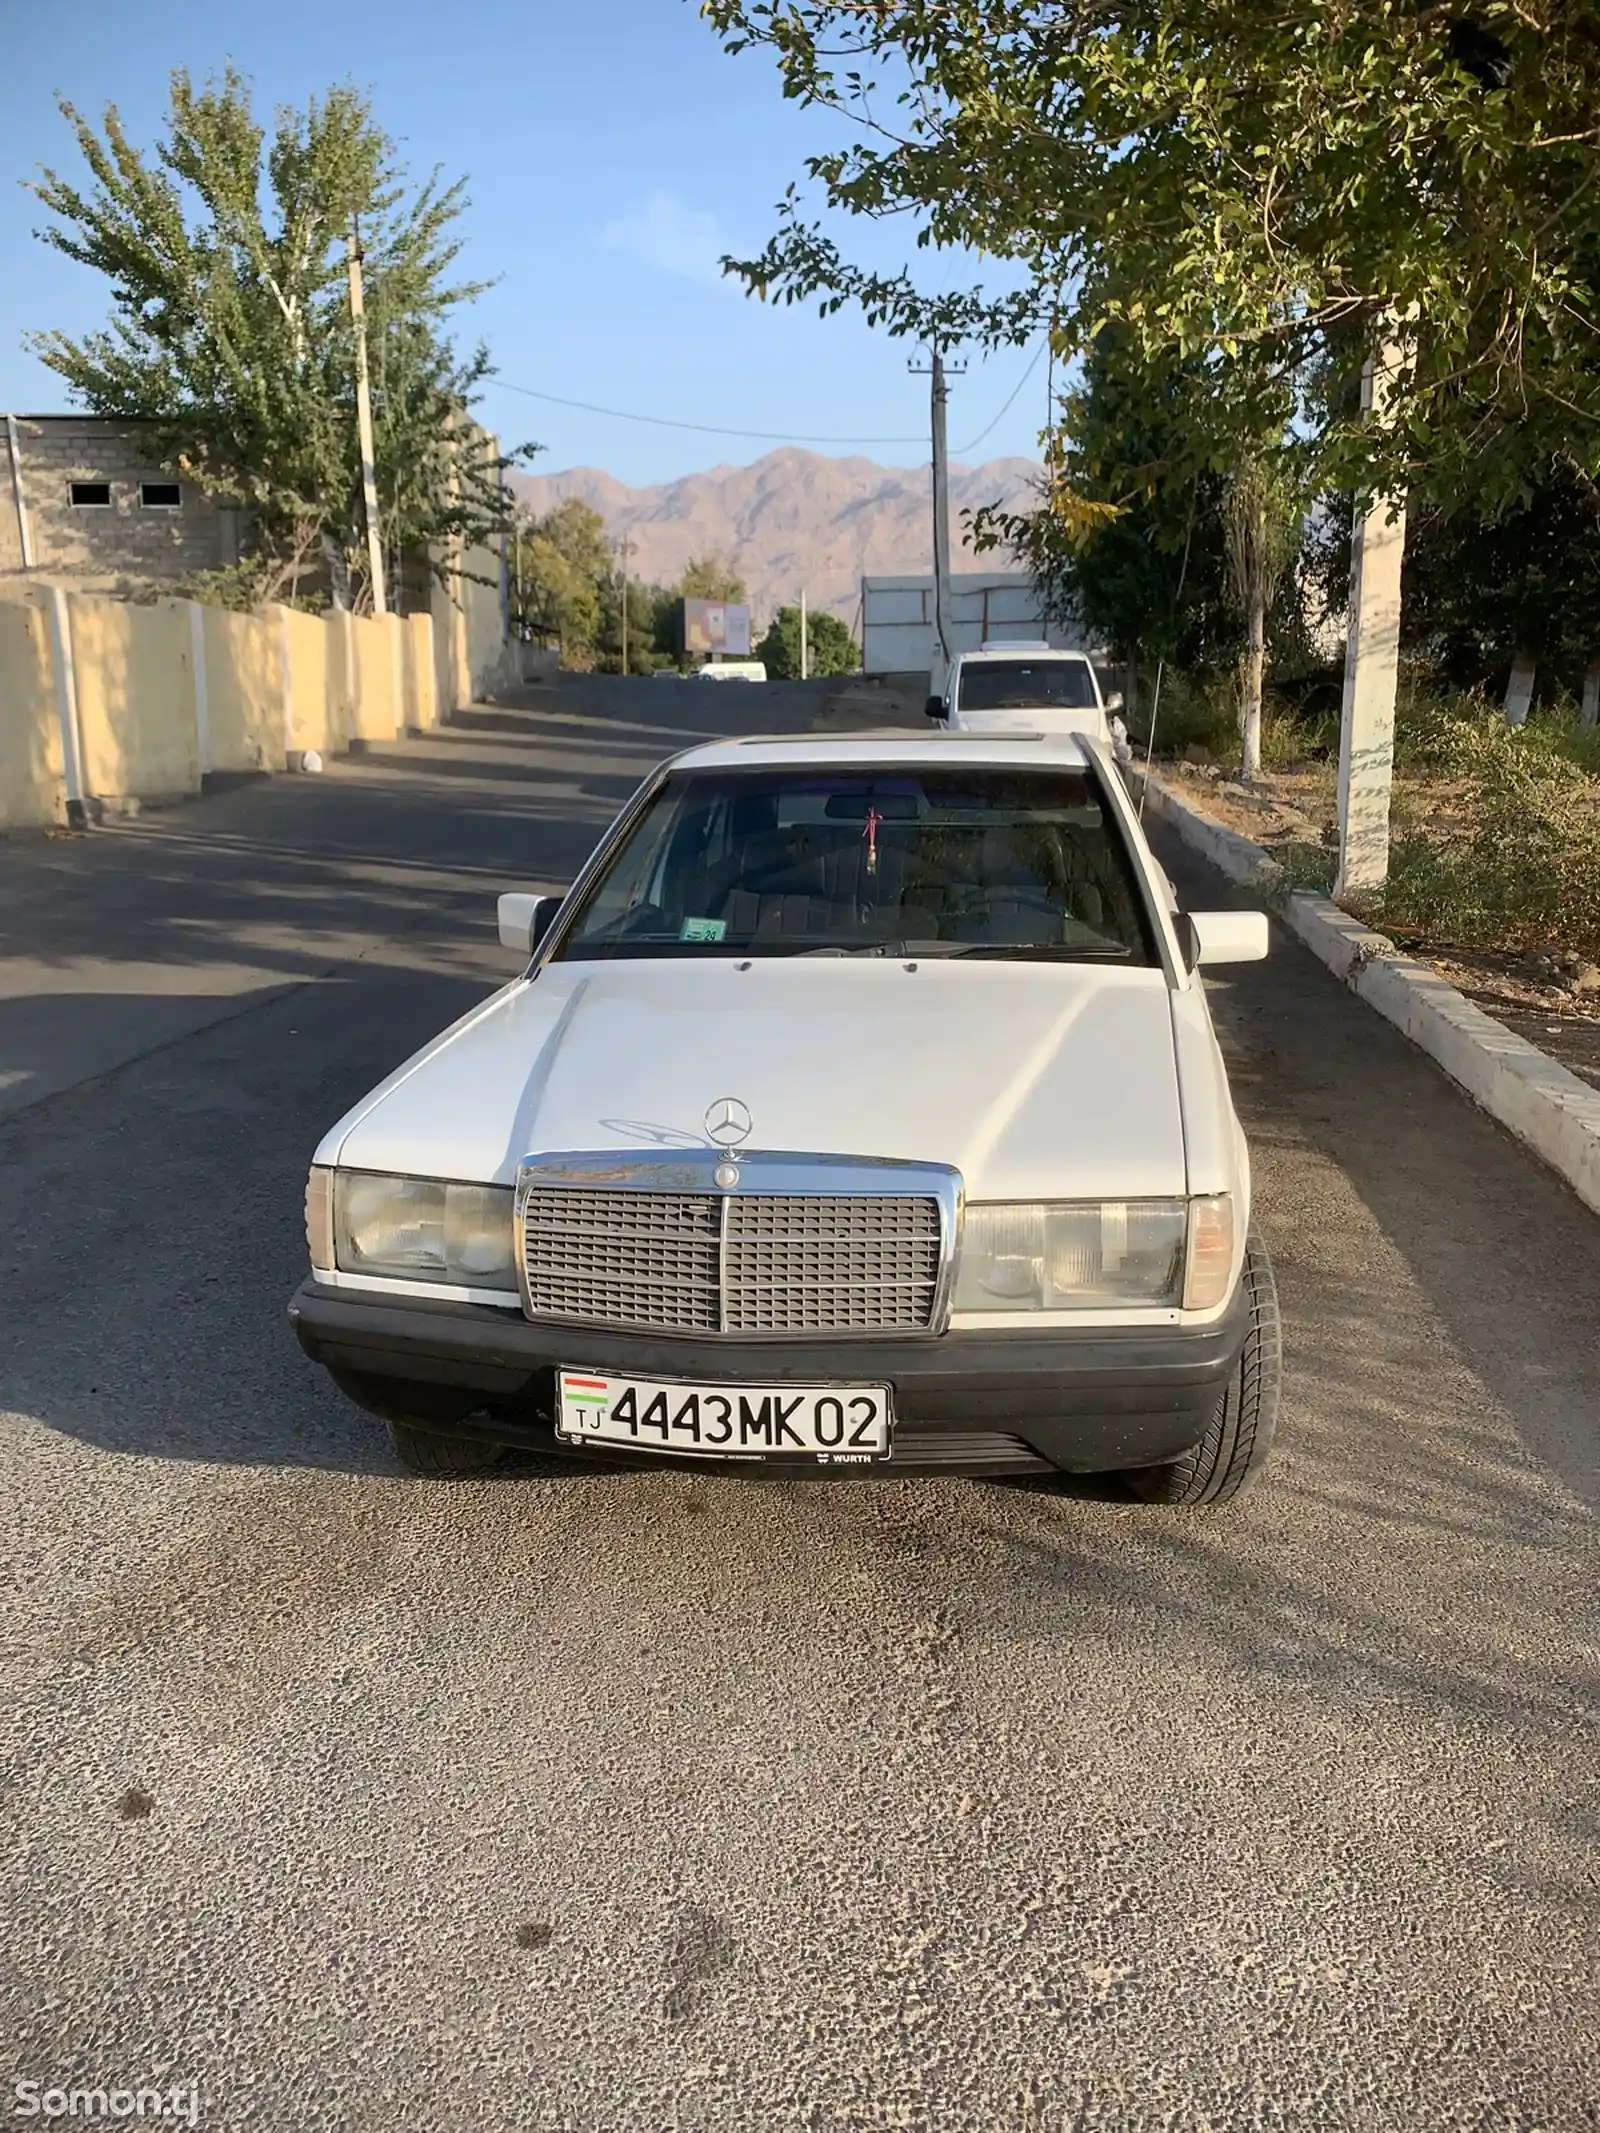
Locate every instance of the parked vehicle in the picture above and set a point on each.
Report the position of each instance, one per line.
(1012, 687)
(858, 1108)
(732, 670)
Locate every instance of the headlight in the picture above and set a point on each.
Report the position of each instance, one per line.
(422, 1229)
(1085, 1255)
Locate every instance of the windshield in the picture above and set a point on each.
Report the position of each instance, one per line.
(820, 860)
(1024, 684)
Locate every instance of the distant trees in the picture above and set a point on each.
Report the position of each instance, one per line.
(830, 648)
(230, 330)
(710, 578)
(564, 558)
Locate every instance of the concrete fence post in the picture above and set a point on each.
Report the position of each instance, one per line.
(66, 680)
(397, 669)
(286, 655)
(202, 690)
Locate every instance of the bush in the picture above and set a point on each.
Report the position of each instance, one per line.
(1196, 713)
(1516, 865)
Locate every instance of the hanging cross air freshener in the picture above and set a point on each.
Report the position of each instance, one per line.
(870, 833)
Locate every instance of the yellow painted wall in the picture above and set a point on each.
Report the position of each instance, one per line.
(135, 696)
(319, 710)
(422, 689)
(244, 686)
(31, 787)
(373, 642)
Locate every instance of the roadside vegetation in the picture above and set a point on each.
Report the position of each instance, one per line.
(567, 592)
(1285, 279)
(226, 249)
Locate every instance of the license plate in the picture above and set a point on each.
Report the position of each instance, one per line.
(834, 1425)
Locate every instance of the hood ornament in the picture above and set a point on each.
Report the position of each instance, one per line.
(727, 1122)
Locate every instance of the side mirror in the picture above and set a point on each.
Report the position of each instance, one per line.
(1223, 937)
(934, 707)
(525, 920)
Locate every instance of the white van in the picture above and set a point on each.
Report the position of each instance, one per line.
(1032, 688)
(732, 670)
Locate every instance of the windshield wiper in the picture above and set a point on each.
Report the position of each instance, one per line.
(1042, 952)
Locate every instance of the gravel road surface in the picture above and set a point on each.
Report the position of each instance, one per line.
(618, 1802)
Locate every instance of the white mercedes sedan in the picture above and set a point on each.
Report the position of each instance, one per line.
(858, 1111)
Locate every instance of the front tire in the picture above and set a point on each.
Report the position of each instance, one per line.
(437, 1456)
(1234, 1449)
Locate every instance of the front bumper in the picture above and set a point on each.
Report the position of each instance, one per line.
(1080, 1402)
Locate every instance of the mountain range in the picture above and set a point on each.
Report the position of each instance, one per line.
(793, 521)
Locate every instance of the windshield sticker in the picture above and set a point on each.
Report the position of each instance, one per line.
(703, 929)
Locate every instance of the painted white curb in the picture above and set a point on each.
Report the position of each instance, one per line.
(1534, 1097)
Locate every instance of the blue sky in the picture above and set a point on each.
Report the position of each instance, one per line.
(612, 151)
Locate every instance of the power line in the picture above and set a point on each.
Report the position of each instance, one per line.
(963, 449)
(708, 429)
(716, 429)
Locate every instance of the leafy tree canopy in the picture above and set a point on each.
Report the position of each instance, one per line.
(1227, 179)
(830, 648)
(710, 578)
(230, 330)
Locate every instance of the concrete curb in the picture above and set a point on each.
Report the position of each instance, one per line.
(1552, 1111)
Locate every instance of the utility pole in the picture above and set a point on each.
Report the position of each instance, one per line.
(805, 662)
(1371, 664)
(369, 477)
(623, 548)
(942, 627)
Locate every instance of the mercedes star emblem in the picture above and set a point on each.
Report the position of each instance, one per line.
(728, 1121)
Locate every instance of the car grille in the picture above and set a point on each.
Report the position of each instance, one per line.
(748, 1262)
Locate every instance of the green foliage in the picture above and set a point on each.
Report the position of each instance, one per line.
(1516, 862)
(1479, 590)
(830, 648)
(1215, 179)
(1196, 711)
(564, 557)
(231, 335)
(710, 578)
(1146, 578)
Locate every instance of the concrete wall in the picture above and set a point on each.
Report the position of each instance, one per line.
(135, 691)
(31, 786)
(373, 639)
(422, 691)
(244, 689)
(159, 694)
(124, 540)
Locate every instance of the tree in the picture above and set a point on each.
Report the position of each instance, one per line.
(710, 578)
(565, 558)
(1214, 177)
(830, 648)
(1263, 535)
(1481, 596)
(230, 331)
(1140, 563)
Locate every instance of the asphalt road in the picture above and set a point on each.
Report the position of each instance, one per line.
(647, 1801)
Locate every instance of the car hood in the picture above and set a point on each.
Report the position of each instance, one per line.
(1035, 718)
(1031, 1079)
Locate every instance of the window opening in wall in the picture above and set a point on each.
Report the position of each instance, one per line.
(160, 495)
(91, 495)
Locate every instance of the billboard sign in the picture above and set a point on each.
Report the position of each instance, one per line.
(716, 628)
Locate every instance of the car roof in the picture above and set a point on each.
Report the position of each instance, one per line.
(1009, 750)
(1024, 647)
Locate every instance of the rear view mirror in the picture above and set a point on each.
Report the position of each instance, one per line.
(525, 920)
(1223, 937)
(934, 707)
